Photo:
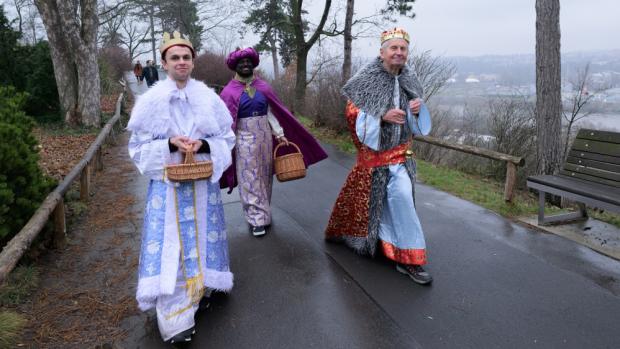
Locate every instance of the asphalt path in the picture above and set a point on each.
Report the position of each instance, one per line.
(497, 284)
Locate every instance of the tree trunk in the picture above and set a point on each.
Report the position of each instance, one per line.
(65, 71)
(303, 47)
(300, 81)
(548, 86)
(274, 57)
(74, 55)
(89, 88)
(152, 26)
(348, 39)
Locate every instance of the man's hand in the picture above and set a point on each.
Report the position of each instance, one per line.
(395, 116)
(414, 105)
(183, 143)
(195, 145)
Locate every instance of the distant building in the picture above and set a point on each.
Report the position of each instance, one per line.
(472, 79)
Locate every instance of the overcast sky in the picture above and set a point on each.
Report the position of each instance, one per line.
(478, 27)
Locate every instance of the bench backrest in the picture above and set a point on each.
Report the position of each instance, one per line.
(595, 157)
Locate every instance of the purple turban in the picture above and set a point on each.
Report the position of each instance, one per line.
(235, 56)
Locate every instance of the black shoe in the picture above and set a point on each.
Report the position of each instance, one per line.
(204, 303)
(185, 336)
(258, 231)
(416, 273)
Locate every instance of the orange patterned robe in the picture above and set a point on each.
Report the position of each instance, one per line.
(351, 220)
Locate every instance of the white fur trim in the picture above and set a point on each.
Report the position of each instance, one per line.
(151, 112)
(219, 280)
(147, 292)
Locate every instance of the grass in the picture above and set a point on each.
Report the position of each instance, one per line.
(16, 290)
(10, 328)
(19, 285)
(485, 192)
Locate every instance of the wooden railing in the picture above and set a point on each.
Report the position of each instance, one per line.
(54, 204)
(511, 161)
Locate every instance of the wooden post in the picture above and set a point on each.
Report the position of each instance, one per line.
(511, 179)
(100, 158)
(85, 183)
(60, 226)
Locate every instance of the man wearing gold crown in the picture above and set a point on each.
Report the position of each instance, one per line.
(184, 252)
(375, 209)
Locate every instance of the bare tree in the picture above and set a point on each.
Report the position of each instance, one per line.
(582, 94)
(432, 71)
(302, 47)
(28, 21)
(133, 37)
(109, 25)
(392, 8)
(548, 86)
(72, 32)
(348, 41)
(33, 25)
(20, 6)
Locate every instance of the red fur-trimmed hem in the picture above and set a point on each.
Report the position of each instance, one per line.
(415, 256)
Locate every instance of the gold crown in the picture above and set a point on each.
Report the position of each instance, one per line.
(176, 39)
(396, 33)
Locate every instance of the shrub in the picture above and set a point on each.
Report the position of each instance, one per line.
(113, 63)
(326, 103)
(211, 68)
(22, 185)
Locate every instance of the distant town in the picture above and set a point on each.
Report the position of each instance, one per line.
(479, 78)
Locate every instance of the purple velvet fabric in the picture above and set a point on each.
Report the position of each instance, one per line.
(249, 107)
(235, 56)
(293, 130)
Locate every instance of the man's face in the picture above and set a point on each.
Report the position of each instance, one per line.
(244, 67)
(395, 53)
(179, 63)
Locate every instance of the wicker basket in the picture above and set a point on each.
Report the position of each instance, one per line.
(190, 170)
(290, 166)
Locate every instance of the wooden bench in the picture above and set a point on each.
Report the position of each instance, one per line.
(590, 176)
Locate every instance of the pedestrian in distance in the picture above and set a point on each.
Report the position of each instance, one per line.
(150, 73)
(137, 71)
(184, 251)
(375, 211)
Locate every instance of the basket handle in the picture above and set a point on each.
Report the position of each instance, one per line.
(281, 144)
(189, 157)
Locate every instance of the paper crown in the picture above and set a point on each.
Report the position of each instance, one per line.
(396, 33)
(176, 40)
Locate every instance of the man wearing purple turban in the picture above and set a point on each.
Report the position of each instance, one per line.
(259, 120)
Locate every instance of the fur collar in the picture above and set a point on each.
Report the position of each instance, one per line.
(151, 112)
(371, 89)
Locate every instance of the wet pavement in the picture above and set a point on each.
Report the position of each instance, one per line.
(497, 283)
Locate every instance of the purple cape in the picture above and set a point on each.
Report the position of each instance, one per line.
(293, 130)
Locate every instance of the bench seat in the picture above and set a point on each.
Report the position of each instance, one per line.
(601, 195)
(590, 176)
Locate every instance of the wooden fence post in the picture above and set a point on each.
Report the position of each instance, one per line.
(60, 226)
(100, 158)
(511, 179)
(85, 183)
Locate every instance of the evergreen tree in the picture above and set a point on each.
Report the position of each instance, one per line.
(181, 15)
(43, 103)
(22, 185)
(9, 51)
